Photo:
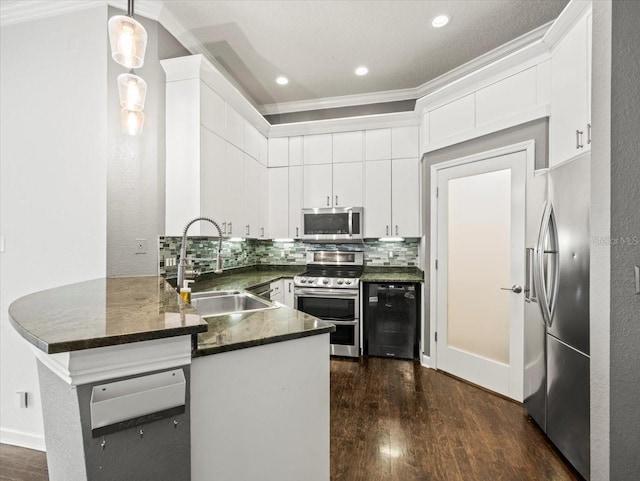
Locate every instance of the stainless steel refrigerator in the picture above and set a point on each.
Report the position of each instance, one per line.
(557, 307)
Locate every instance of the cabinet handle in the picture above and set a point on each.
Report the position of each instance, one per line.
(297, 235)
(328, 200)
(397, 229)
(387, 230)
(261, 231)
(336, 200)
(289, 287)
(230, 224)
(579, 144)
(248, 229)
(588, 133)
(224, 228)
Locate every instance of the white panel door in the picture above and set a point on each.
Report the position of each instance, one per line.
(295, 202)
(212, 182)
(234, 188)
(347, 147)
(377, 198)
(405, 197)
(317, 189)
(347, 185)
(279, 202)
(480, 255)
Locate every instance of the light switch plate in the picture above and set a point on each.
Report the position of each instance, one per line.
(141, 246)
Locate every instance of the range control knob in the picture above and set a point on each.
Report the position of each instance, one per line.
(347, 282)
(325, 281)
(303, 280)
(340, 281)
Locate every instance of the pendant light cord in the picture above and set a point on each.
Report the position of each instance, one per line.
(130, 8)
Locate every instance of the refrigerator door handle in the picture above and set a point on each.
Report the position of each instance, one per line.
(554, 252)
(538, 267)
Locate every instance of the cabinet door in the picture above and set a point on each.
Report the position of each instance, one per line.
(317, 190)
(347, 185)
(295, 202)
(251, 199)
(288, 293)
(377, 198)
(212, 182)
(405, 197)
(235, 128)
(347, 147)
(251, 141)
(296, 150)
(377, 144)
(263, 201)
(234, 197)
(279, 152)
(318, 149)
(279, 202)
(277, 288)
(569, 96)
(404, 142)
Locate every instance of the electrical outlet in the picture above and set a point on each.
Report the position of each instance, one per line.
(390, 254)
(170, 262)
(141, 246)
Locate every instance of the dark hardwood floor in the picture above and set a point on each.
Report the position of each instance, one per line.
(395, 420)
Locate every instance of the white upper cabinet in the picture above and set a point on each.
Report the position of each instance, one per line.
(295, 201)
(347, 184)
(347, 147)
(279, 202)
(235, 128)
(501, 99)
(569, 124)
(377, 198)
(251, 140)
(264, 150)
(296, 150)
(377, 144)
(452, 119)
(392, 198)
(405, 197)
(212, 179)
(318, 149)
(212, 108)
(404, 142)
(234, 192)
(318, 185)
(279, 152)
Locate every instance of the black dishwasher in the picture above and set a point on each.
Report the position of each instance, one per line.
(391, 320)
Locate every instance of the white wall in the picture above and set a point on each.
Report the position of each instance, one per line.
(53, 175)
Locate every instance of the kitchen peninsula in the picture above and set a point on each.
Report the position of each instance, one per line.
(255, 409)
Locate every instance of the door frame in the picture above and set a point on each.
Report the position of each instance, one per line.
(529, 148)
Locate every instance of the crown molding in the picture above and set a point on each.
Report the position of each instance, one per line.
(449, 78)
(567, 18)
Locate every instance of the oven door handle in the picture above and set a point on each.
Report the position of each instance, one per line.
(340, 323)
(327, 293)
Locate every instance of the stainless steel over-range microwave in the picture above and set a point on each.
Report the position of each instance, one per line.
(328, 224)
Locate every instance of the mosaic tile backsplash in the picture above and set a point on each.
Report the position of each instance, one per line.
(201, 251)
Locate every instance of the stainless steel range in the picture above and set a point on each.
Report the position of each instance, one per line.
(330, 290)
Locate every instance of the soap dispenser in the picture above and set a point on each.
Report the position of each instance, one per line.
(185, 291)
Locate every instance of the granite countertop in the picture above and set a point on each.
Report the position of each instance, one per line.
(103, 312)
(392, 274)
(244, 278)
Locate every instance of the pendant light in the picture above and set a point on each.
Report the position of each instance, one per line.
(128, 39)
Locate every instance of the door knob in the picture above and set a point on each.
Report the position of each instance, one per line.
(515, 288)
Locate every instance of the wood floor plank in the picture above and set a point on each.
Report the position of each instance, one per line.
(393, 420)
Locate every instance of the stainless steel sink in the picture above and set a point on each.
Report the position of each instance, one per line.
(219, 303)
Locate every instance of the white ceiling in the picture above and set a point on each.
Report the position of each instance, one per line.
(317, 44)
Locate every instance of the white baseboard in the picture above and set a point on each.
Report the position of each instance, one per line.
(22, 439)
(426, 361)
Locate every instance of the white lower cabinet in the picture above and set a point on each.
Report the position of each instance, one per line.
(287, 293)
(392, 198)
(277, 288)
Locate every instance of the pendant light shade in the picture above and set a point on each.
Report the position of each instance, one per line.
(132, 90)
(132, 121)
(128, 40)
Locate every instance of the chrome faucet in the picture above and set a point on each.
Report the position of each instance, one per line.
(182, 266)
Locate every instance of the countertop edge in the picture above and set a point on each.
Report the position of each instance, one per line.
(207, 351)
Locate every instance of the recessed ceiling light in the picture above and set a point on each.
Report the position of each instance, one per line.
(440, 21)
(362, 71)
(282, 80)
